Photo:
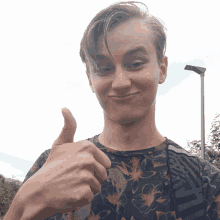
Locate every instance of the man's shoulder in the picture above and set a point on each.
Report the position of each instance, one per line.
(42, 159)
(177, 152)
(177, 149)
(37, 164)
(93, 139)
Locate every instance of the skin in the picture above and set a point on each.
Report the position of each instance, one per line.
(129, 124)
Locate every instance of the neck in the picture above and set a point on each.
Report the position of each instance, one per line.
(135, 134)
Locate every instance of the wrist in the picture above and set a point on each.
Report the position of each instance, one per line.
(34, 208)
(14, 212)
(29, 209)
(36, 212)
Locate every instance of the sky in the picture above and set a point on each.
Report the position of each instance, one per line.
(41, 72)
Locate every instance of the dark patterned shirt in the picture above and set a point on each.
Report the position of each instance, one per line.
(138, 186)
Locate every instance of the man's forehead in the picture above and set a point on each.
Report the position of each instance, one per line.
(126, 35)
(130, 50)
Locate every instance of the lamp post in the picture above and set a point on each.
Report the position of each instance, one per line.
(201, 72)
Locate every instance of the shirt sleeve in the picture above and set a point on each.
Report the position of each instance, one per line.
(37, 165)
(210, 176)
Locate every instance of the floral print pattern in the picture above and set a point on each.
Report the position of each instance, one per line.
(138, 186)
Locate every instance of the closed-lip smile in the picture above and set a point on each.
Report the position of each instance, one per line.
(125, 95)
(122, 96)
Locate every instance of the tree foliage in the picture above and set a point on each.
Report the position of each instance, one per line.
(214, 137)
(212, 148)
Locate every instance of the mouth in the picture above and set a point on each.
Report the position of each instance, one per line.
(129, 96)
(122, 96)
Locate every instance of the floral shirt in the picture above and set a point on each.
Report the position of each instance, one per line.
(138, 186)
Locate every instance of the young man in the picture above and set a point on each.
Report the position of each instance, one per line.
(150, 176)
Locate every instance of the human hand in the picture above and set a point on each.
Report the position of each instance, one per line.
(71, 175)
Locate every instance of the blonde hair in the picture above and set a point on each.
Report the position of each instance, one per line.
(111, 17)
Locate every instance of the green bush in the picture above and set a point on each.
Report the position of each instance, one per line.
(8, 191)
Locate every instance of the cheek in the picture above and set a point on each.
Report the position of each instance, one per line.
(101, 88)
(148, 83)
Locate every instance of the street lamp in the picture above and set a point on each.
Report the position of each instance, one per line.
(201, 72)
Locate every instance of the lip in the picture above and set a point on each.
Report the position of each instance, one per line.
(125, 96)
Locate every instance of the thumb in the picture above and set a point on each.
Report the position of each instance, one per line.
(69, 129)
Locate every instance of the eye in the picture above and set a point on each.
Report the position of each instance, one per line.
(137, 64)
(134, 65)
(104, 69)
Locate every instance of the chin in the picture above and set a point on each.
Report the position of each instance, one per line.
(129, 122)
(127, 119)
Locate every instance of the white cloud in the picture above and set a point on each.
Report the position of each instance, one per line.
(179, 110)
(8, 171)
(41, 72)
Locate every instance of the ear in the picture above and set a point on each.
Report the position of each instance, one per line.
(163, 69)
(90, 81)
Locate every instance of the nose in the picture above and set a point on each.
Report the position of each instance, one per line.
(121, 80)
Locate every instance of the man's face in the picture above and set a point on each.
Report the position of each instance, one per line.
(135, 73)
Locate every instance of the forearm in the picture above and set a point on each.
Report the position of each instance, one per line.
(14, 212)
(27, 211)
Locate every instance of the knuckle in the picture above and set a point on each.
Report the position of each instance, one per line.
(104, 173)
(83, 190)
(86, 195)
(88, 145)
(84, 174)
(96, 188)
(88, 178)
(99, 187)
(84, 157)
(88, 163)
(89, 196)
(105, 176)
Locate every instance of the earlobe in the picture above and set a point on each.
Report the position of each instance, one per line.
(165, 61)
(162, 79)
(163, 70)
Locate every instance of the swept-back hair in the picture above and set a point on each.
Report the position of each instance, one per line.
(109, 18)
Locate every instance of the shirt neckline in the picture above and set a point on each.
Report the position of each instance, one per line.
(161, 146)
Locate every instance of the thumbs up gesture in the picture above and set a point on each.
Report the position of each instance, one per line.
(67, 133)
(69, 129)
(71, 175)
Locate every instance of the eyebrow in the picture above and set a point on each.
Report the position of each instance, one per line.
(136, 49)
(130, 52)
